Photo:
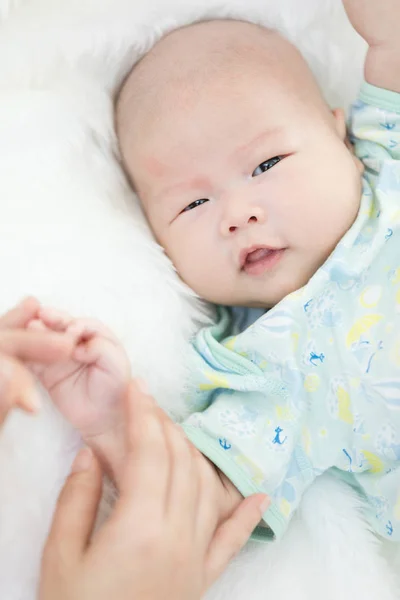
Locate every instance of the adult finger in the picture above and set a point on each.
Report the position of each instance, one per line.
(146, 473)
(17, 387)
(35, 346)
(184, 478)
(76, 511)
(208, 508)
(233, 534)
(20, 315)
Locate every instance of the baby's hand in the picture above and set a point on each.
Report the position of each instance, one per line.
(87, 388)
(377, 21)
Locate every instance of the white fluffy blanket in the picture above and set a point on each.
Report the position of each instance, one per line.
(71, 233)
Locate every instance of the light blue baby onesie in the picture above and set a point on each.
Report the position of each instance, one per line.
(315, 382)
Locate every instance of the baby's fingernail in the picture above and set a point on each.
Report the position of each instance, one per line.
(82, 461)
(142, 385)
(264, 505)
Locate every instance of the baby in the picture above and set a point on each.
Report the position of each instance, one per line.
(247, 182)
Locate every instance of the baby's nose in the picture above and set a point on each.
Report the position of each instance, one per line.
(241, 218)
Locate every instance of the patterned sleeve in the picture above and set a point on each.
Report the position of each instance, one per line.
(240, 432)
(375, 129)
(213, 366)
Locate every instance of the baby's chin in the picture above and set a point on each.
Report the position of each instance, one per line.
(222, 300)
(264, 301)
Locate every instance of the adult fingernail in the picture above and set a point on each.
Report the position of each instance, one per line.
(36, 399)
(33, 402)
(264, 505)
(82, 461)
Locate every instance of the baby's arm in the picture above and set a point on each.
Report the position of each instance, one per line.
(377, 21)
(375, 117)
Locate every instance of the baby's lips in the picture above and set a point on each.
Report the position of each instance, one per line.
(254, 250)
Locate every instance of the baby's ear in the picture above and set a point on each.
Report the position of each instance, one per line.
(340, 122)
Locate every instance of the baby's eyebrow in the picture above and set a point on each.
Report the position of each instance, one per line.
(195, 183)
(260, 138)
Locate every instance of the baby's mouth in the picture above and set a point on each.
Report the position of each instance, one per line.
(259, 259)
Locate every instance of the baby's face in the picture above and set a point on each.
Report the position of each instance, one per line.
(246, 186)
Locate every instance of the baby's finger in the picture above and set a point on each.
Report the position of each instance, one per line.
(54, 319)
(233, 534)
(20, 315)
(35, 346)
(85, 329)
(36, 325)
(93, 350)
(146, 473)
(106, 356)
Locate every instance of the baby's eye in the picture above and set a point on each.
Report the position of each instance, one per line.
(195, 204)
(266, 165)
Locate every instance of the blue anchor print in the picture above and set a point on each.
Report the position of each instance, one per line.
(350, 461)
(389, 528)
(307, 305)
(277, 438)
(393, 144)
(225, 445)
(314, 357)
(389, 234)
(388, 126)
(350, 470)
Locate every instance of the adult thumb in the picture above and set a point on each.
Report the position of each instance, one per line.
(233, 534)
(75, 513)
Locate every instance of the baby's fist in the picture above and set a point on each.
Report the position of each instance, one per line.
(377, 21)
(88, 388)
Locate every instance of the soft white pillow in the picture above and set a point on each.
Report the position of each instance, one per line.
(72, 233)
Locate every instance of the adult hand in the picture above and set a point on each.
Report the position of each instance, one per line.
(161, 540)
(19, 346)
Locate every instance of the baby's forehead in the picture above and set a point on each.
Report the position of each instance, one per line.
(191, 57)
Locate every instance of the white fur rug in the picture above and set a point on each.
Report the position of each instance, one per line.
(71, 233)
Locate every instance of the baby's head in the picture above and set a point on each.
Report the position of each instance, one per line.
(240, 165)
